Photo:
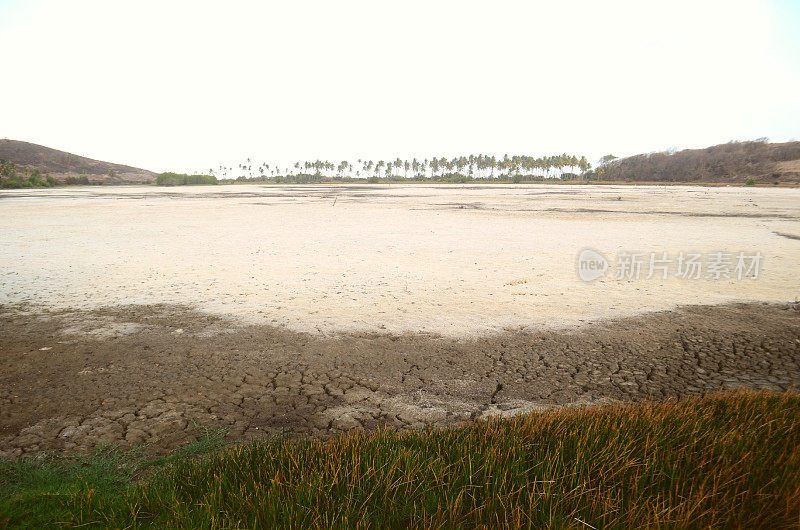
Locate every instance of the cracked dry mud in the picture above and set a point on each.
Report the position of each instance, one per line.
(73, 380)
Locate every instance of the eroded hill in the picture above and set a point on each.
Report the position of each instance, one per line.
(61, 165)
(734, 162)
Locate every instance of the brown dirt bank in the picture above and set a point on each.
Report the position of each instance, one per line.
(73, 380)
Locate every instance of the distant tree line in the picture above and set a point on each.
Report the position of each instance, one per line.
(181, 179)
(730, 162)
(515, 168)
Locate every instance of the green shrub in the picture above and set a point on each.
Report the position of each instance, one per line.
(181, 179)
(76, 180)
(11, 184)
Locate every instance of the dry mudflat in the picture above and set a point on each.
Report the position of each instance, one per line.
(450, 260)
(73, 380)
(132, 315)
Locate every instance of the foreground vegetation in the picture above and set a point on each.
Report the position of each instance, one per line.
(729, 460)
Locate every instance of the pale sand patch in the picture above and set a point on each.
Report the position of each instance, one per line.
(451, 260)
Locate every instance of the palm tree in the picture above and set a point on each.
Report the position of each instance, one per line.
(457, 168)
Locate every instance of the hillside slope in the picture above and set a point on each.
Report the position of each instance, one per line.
(734, 162)
(60, 164)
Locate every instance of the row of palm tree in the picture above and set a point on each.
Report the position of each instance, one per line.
(471, 167)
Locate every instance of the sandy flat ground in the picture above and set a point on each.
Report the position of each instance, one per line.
(131, 315)
(449, 260)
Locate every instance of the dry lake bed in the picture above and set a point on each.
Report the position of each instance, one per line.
(135, 314)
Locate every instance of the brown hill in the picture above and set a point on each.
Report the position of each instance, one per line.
(60, 164)
(734, 162)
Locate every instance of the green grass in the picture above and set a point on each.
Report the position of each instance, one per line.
(730, 460)
(37, 492)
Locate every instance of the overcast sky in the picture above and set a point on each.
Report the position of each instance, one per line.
(190, 85)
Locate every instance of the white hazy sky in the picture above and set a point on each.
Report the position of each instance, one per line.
(185, 86)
